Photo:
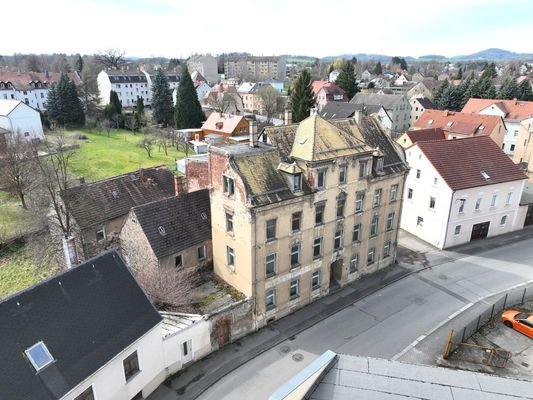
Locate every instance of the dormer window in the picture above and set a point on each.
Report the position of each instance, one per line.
(297, 182)
(39, 356)
(379, 165)
(228, 185)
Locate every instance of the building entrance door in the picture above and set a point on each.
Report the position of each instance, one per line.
(529, 216)
(480, 231)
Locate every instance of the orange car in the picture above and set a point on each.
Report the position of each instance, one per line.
(519, 321)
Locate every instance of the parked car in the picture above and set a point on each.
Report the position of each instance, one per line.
(519, 321)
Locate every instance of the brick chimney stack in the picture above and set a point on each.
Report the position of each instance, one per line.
(178, 184)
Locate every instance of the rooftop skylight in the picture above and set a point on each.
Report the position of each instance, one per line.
(39, 356)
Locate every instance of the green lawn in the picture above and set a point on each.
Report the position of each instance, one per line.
(101, 156)
(18, 269)
(14, 220)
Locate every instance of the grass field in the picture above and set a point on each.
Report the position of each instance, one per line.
(14, 220)
(101, 156)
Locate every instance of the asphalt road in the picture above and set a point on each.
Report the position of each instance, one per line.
(386, 323)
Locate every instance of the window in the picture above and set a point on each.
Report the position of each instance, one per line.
(393, 192)
(493, 201)
(271, 229)
(370, 256)
(457, 230)
(100, 234)
(228, 185)
(230, 256)
(340, 206)
(362, 169)
(342, 174)
(379, 164)
(202, 252)
(435, 180)
(178, 261)
(315, 280)
(478, 203)
(377, 197)
(294, 288)
(87, 394)
(297, 182)
(462, 203)
(185, 348)
(512, 147)
(337, 240)
(131, 365)
(359, 201)
(419, 222)
(39, 356)
(319, 214)
(296, 221)
(503, 220)
(374, 226)
(390, 221)
(356, 237)
(295, 255)
(270, 299)
(354, 263)
(509, 197)
(270, 264)
(317, 247)
(386, 249)
(417, 174)
(409, 193)
(516, 132)
(321, 180)
(229, 222)
(432, 202)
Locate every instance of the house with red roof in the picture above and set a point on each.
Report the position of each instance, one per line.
(460, 125)
(325, 92)
(513, 113)
(227, 125)
(409, 138)
(461, 190)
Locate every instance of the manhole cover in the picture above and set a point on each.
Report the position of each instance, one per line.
(285, 349)
(297, 357)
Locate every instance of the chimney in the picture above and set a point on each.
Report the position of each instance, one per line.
(69, 249)
(253, 133)
(288, 117)
(178, 184)
(358, 116)
(313, 111)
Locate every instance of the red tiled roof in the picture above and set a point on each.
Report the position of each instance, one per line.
(317, 85)
(458, 122)
(222, 122)
(514, 109)
(423, 135)
(460, 162)
(22, 80)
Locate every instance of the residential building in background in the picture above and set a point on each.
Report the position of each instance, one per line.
(418, 106)
(396, 105)
(458, 125)
(342, 110)
(306, 207)
(30, 87)
(409, 138)
(425, 88)
(513, 113)
(251, 100)
(173, 232)
(227, 125)
(326, 92)
(17, 118)
(461, 190)
(207, 65)
(523, 154)
(254, 68)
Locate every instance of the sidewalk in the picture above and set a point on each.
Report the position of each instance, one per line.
(413, 255)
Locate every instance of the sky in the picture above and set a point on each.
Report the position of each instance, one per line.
(180, 28)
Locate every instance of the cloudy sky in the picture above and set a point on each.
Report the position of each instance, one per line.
(179, 28)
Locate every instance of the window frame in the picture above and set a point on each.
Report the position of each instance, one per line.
(374, 222)
(297, 253)
(32, 360)
(130, 371)
(356, 233)
(410, 192)
(354, 263)
(339, 210)
(180, 258)
(315, 276)
(371, 259)
(230, 256)
(457, 230)
(103, 235)
(337, 238)
(503, 220)
(494, 200)
(343, 174)
(386, 249)
(320, 209)
(432, 201)
(393, 196)
(390, 221)
(359, 202)
(321, 176)
(87, 394)
(271, 261)
(229, 222)
(270, 294)
(295, 283)
(296, 217)
(228, 185)
(202, 252)
(270, 232)
(317, 245)
(363, 168)
(377, 198)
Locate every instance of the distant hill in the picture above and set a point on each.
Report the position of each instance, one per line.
(486, 55)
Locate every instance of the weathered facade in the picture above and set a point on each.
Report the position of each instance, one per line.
(318, 208)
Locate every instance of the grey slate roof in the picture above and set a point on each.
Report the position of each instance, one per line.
(92, 204)
(342, 110)
(388, 101)
(85, 317)
(185, 219)
(426, 103)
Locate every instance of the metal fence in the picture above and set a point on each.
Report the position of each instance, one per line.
(512, 298)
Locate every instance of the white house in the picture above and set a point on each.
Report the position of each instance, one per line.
(207, 65)
(91, 333)
(461, 190)
(202, 88)
(333, 75)
(397, 107)
(18, 118)
(513, 113)
(128, 84)
(401, 80)
(418, 106)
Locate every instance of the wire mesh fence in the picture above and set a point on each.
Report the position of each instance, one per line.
(512, 298)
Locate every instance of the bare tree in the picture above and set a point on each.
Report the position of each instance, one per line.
(164, 140)
(147, 144)
(111, 58)
(54, 170)
(221, 102)
(105, 125)
(167, 288)
(183, 143)
(270, 99)
(17, 167)
(132, 122)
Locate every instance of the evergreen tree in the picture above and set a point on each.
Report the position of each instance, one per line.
(64, 104)
(459, 74)
(378, 70)
(467, 89)
(139, 106)
(525, 92)
(74, 107)
(509, 90)
(489, 71)
(161, 98)
(78, 64)
(483, 88)
(302, 97)
(346, 80)
(188, 111)
(452, 98)
(114, 107)
(439, 93)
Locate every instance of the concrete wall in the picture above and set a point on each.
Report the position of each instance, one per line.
(109, 382)
(240, 316)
